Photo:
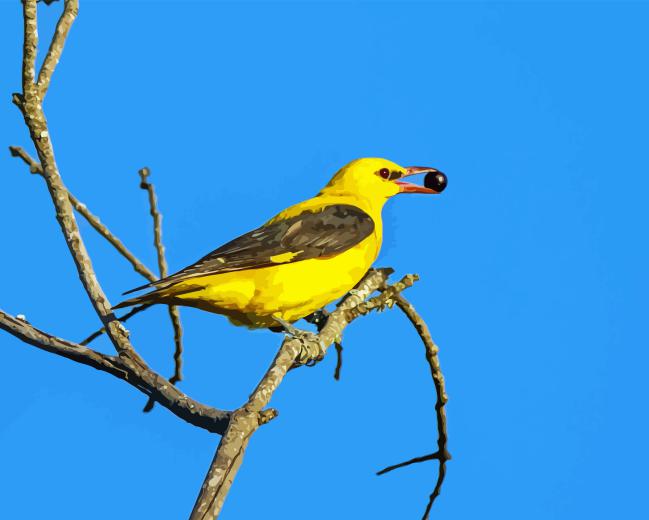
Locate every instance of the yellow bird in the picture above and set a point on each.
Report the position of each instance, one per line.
(305, 257)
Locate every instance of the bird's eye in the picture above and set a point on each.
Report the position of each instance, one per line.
(436, 181)
(384, 173)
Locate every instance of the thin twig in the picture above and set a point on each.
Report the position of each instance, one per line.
(70, 10)
(157, 220)
(126, 317)
(34, 165)
(339, 359)
(24, 331)
(174, 313)
(415, 460)
(432, 350)
(112, 239)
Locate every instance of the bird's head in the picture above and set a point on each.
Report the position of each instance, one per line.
(379, 179)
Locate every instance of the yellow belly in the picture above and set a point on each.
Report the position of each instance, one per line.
(289, 291)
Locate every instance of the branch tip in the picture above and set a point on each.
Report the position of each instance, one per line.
(18, 100)
(265, 416)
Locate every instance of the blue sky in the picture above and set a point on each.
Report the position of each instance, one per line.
(533, 262)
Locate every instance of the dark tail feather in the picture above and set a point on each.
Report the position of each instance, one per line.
(167, 281)
(148, 299)
(151, 284)
(159, 295)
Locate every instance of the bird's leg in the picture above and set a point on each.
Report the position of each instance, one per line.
(312, 349)
(291, 330)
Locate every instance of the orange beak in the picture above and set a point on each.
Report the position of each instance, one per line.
(408, 187)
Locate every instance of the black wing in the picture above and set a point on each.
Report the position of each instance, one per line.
(309, 235)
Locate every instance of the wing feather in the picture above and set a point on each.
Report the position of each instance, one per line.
(308, 235)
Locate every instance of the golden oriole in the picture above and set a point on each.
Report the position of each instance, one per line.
(305, 257)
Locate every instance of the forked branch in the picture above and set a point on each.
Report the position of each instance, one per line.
(431, 349)
(36, 168)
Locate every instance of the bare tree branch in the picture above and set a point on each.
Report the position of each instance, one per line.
(36, 122)
(34, 166)
(124, 368)
(293, 352)
(174, 313)
(70, 10)
(101, 228)
(30, 44)
(415, 460)
(157, 220)
(432, 350)
(95, 222)
(24, 331)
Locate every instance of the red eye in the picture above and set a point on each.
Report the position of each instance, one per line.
(384, 173)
